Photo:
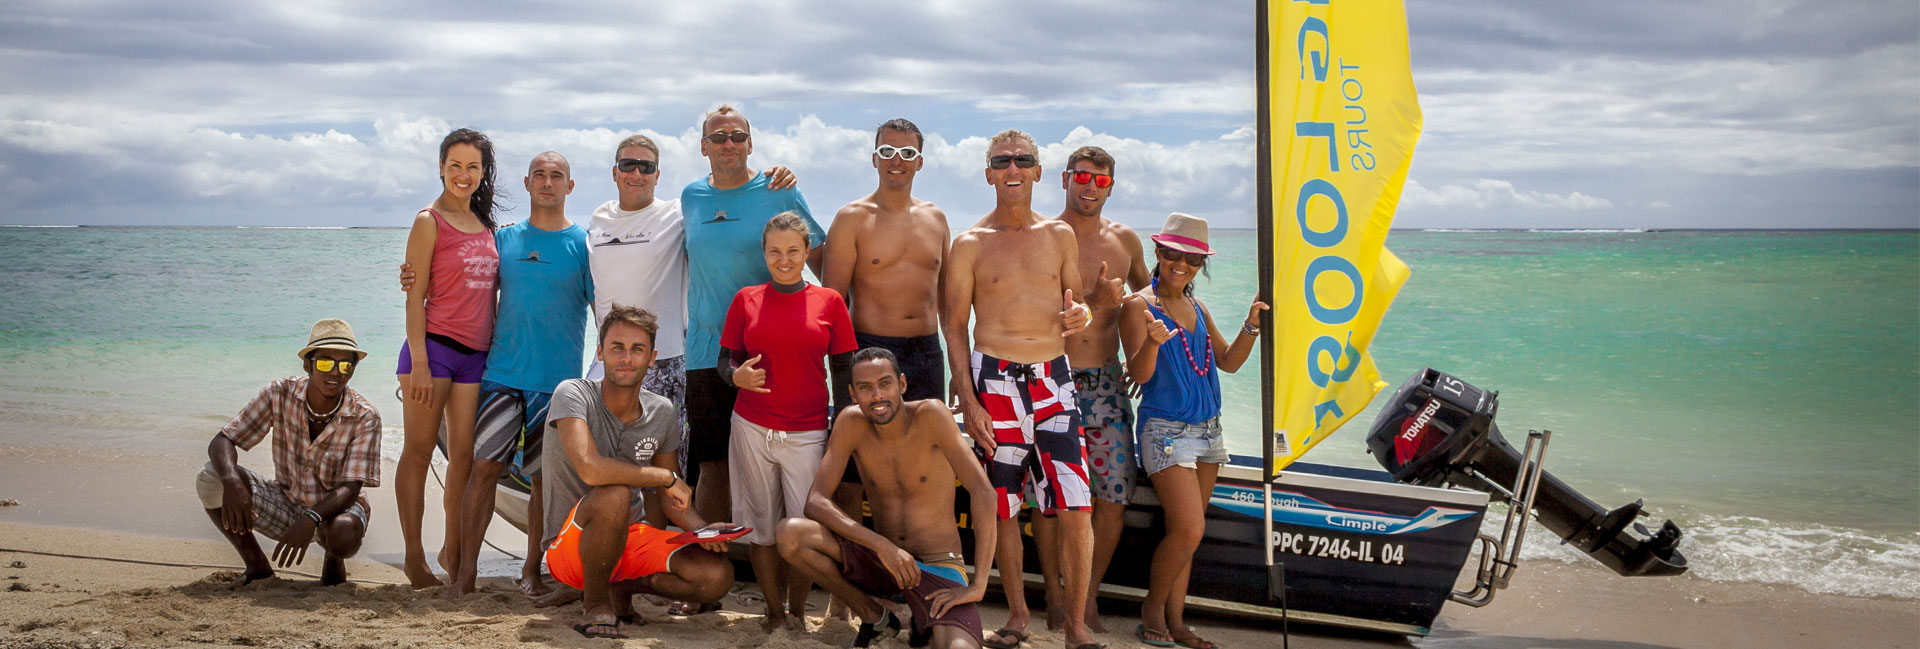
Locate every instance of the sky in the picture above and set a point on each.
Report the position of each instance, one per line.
(1630, 114)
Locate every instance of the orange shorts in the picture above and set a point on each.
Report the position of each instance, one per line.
(647, 552)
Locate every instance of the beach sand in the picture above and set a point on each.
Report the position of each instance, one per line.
(53, 601)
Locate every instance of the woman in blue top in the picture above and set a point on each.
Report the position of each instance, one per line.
(1176, 354)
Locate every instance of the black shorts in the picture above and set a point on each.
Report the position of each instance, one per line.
(921, 362)
(709, 416)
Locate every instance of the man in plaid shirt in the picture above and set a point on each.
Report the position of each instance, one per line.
(326, 447)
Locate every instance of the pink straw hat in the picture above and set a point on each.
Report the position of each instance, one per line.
(1185, 233)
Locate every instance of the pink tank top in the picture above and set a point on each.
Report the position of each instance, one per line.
(460, 299)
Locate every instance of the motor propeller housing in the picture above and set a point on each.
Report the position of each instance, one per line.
(1438, 429)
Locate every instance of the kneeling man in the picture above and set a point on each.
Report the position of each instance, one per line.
(326, 446)
(615, 439)
(909, 455)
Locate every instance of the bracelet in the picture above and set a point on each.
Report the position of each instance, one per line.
(676, 481)
(314, 515)
(1250, 329)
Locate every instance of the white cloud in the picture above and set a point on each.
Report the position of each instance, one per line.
(1488, 193)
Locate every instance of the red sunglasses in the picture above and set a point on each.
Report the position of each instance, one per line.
(1102, 181)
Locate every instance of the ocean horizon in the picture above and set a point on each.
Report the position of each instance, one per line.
(1759, 387)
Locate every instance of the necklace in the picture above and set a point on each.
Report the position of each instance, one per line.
(315, 418)
(1199, 368)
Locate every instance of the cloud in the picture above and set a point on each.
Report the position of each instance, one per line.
(1489, 193)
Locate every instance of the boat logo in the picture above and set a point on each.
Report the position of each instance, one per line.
(644, 237)
(1292, 508)
(718, 217)
(533, 256)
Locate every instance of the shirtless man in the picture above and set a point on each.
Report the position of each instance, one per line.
(1018, 270)
(1098, 376)
(909, 454)
(883, 255)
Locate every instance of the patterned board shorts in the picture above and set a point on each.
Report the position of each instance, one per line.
(273, 511)
(1035, 423)
(511, 422)
(1107, 421)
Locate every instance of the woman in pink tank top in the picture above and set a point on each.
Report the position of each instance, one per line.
(449, 328)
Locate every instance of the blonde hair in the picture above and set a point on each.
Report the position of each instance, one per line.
(1011, 134)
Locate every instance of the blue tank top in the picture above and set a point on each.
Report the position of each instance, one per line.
(1175, 392)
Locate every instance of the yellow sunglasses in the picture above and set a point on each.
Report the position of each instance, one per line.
(326, 365)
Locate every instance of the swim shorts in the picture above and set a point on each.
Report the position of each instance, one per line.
(769, 474)
(1035, 423)
(709, 417)
(446, 359)
(862, 568)
(510, 423)
(1107, 419)
(647, 552)
(273, 510)
(921, 362)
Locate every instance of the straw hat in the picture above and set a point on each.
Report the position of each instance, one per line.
(1185, 233)
(332, 333)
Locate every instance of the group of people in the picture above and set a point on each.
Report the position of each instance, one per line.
(731, 398)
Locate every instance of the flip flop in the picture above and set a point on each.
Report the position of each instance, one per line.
(1091, 645)
(1196, 642)
(997, 643)
(616, 633)
(688, 609)
(1140, 631)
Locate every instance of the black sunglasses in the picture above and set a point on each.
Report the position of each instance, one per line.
(629, 165)
(1192, 258)
(1024, 161)
(721, 138)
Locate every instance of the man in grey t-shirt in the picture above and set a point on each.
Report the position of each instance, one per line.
(617, 438)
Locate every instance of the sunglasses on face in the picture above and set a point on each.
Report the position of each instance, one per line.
(888, 152)
(326, 365)
(1023, 161)
(1102, 181)
(630, 165)
(721, 138)
(1192, 258)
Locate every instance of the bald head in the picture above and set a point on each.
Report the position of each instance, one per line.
(549, 181)
(553, 158)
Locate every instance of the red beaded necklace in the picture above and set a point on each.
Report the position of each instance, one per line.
(1199, 369)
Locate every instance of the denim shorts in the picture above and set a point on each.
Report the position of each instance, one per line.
(1165, 443)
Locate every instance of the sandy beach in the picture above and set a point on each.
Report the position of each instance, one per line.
(55, 601)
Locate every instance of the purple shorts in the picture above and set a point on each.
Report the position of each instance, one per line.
(445, 361)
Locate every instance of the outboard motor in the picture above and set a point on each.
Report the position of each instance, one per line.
(1438, 429)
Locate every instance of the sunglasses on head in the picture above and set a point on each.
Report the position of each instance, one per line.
(721, 138)
(1102, 181)
(1192, 258)
(327, 364)
(888, 152)
(1023, 161)
(630, 165)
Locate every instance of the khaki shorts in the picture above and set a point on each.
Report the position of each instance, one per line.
(770, 472)
(273, 511)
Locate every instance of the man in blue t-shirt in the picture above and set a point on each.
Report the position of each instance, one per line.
(725, 213)
(539, 334)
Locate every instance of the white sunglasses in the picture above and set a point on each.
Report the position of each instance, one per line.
(887, 152)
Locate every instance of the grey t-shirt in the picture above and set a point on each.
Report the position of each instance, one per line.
(656, 431)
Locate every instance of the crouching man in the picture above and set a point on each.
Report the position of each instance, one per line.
(617, 438)
(909, 454)
(326, 447)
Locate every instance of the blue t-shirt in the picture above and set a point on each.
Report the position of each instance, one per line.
(723, 253)
(546, 289)
(1176, 392)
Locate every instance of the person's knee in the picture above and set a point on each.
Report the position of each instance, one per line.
(485, 470)
(792, 536)
(710, 574)
(207, 486)
(947, 637)
(344, 533)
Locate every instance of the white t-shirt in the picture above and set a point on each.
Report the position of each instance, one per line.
(639, 259)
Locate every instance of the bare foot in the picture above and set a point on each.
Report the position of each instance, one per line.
(557, 597)
(771, 623)
(420, 576)
(333, 571)
(251, 576)
(1056, 615)
(838, 611)
(533, 586)
(446, 563)
(1092, 618)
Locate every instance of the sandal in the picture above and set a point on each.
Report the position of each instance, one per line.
(1153, 638)
(997, 643)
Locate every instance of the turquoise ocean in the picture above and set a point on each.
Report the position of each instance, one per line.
(1761, 388)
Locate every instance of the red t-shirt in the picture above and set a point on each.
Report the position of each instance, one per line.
(793, 334)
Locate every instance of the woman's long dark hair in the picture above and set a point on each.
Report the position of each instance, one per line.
(482, 200)
(1188, 291)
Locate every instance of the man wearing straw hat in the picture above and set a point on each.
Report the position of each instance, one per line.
(326, 447)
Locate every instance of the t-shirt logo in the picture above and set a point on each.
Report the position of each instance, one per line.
(533, 256)
(644, 449)
(719, 216)
(610, 240)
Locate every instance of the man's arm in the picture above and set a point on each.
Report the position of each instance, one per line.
(980, 497)
(1137, 274)
(596, 469)
(847, 430)
(841, 251)
(1074, 313)
(940, 289)
(675, 501)
(956, 306)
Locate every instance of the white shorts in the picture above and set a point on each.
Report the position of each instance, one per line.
(770, 472)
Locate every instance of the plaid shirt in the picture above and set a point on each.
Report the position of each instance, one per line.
(347, 450)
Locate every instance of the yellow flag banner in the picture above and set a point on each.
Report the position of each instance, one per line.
(1339, 119)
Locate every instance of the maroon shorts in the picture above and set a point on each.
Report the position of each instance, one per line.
(861, 567)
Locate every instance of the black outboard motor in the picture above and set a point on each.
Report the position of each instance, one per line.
(1438, 429)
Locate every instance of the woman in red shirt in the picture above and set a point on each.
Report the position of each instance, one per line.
(773, 347)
